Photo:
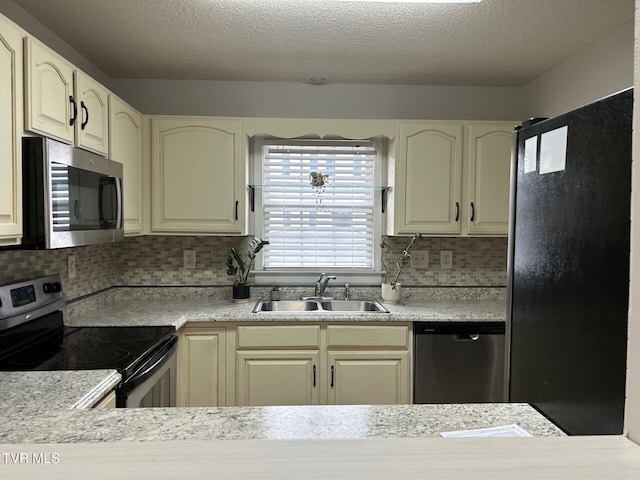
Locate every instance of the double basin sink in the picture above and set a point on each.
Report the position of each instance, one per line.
(320, 305)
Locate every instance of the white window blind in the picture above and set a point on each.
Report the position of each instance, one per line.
(333, 226)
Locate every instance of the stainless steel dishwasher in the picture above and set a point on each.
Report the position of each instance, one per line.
(457, 362)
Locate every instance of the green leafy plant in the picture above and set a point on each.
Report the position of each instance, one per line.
(405, 256)
(237, 267)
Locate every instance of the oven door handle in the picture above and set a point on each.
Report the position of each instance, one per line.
(148, 368)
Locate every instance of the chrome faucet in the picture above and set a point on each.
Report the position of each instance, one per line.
(321, 284)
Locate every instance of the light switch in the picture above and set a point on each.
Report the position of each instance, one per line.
(419, 259)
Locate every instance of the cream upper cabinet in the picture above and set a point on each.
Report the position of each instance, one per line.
(201, 367)
(50, 106)
(126, 147)
(488, 163)
(434, 161)
(428, 179)
(198, 177)
(92, 123)
(57, 107)
(10, 133)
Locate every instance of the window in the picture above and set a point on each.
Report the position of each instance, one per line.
(320, 205)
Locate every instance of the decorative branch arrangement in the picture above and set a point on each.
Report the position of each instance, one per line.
(402, 262)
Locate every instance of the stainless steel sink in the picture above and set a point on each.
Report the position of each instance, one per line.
(285, 306)
(315, 306)
(353, 306)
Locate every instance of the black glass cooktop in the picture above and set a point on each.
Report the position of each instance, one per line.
(88, 348)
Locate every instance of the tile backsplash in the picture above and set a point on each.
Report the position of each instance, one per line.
(157, 261)
(94, 267)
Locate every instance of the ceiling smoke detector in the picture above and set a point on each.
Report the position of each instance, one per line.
(317, 79)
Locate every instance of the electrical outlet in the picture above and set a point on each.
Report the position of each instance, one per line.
(189, 258)
(419, 259)
(71, 266)
(446, 259)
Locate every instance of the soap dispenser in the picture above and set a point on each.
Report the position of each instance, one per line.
(275, 294)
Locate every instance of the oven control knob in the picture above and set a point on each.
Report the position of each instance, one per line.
(51, 287)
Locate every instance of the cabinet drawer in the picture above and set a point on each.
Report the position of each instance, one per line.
(367, 336)
(276, 336)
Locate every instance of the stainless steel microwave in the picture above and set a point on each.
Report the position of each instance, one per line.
(71, 197)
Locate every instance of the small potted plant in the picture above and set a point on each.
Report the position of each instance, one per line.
(391, 288)
(239, 269)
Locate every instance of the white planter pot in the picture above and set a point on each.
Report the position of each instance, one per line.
(390, 294)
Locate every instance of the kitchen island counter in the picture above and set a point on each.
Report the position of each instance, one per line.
(244, 423)
(35, 392)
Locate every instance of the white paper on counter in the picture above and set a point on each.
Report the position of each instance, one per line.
(512, 430)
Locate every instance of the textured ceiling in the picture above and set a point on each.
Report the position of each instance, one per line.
(493, 43)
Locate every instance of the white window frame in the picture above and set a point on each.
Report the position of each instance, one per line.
(301, 276)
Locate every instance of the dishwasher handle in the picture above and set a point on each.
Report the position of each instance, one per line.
(466, 337)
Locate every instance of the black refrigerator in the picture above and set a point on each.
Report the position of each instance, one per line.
(568, 265)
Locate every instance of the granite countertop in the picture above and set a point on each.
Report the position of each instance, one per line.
(242, 423)
(164, 307)
(44, 391)
(45, 407)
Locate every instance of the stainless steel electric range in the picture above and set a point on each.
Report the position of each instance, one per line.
(33, 337)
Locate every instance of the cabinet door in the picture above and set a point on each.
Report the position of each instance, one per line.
(488, 167)
(108, 401)
(368, 378)
(428, 180)
(278, 378)
(10, 134)
(126, 147)
(201, 367)
(49, 107)
(198, 176)
(92, 125)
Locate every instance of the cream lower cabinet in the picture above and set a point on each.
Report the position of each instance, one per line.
(323, 364)
(278, 364)
(277, 377)
(368, 378)
(10, 133)
(201, 366)
(368, 364)
(198, 182)
(108, 401)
